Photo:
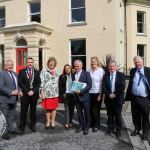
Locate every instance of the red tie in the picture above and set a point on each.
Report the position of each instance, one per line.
(30, 74)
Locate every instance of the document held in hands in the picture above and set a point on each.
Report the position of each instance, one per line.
(77, 86)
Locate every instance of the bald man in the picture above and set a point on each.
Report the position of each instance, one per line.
(138, 93)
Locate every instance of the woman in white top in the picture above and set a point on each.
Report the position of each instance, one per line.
(96, 73)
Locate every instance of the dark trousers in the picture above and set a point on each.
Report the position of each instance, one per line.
(27, 101)
(83, 111)
(95, 110)
(140, 108)
(69, 105)
(114, 114)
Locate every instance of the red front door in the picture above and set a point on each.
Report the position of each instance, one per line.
(21, 56)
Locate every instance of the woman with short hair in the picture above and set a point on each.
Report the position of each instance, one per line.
(49, 91)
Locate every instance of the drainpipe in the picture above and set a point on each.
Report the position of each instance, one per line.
(125, 35)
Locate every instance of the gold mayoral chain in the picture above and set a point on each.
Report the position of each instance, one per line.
(31, 81)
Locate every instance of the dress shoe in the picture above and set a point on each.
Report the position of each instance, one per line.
(78, 130)
(33, 128)
(144, 137)
(85, 131)
(135, 132)
(66, 126)
(118, 134)
(111, 131)
(47, 127)
(95, 129)
(6, 136)
(14, 132)
(52, 127)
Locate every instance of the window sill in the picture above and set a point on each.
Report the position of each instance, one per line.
(77, 24)
(141, 34)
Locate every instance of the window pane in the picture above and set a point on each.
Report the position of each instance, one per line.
(35, 7)
(82, 58)
(25, 57)
(77, 3)
(140, 17)
(140, 50)
(2, 23)
(36, 18)
(2, 13)
(140, 28)
(78, 15)
(78, 47)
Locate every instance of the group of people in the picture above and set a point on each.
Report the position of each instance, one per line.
(51, 86)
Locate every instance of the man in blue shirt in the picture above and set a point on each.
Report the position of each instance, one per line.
(138, 93)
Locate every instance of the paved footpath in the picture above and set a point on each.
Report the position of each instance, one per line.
(62, 139)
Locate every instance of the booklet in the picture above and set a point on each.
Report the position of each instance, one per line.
(76, 86)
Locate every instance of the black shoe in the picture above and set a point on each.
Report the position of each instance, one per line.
(85, 131)
(6, 136)
(52, 127)
(95, 129)
(47, 127)
(14, 132)
(118, 134)
(111, 131)
(144, 137)
(135, 132)
(78, 130)
(33, 128)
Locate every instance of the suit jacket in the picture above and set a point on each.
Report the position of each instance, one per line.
(6, 88)
(62, 84)
(24, 82)
(85, 78)
(129, 95)
(119, 87)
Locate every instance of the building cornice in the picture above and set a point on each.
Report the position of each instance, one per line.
(26, 27)
(139, 2)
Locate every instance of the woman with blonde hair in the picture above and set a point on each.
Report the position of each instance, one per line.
(49, 91)
(96, 73)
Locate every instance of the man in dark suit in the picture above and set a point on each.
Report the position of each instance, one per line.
(8, 96)
(82, 97)
(138, 93)
(113, 87)
(29, 82)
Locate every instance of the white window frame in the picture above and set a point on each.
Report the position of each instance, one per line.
(70, 14)
(70, 60)
(143, 23)
(144, 58)
(1, 19)
(29, 10)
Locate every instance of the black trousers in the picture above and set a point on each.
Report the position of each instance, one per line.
(83, 111)
(114, 114)
(69, 105)
(140, 108)
(27, 101)
(95, 110)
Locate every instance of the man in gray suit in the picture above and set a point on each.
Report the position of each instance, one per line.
(8, 96)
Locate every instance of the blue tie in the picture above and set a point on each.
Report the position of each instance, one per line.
(111, 80)
(140, 76)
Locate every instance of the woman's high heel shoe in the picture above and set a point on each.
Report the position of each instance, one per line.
(47, 126)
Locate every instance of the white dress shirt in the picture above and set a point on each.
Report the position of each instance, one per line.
(77, 75)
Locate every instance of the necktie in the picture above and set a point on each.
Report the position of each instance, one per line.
(30, 73)
(13, 79)
(111, 81)
(144, 79)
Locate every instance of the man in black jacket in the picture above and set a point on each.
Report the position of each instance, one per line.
(113, 87)
(29, 82)
(138, 93)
